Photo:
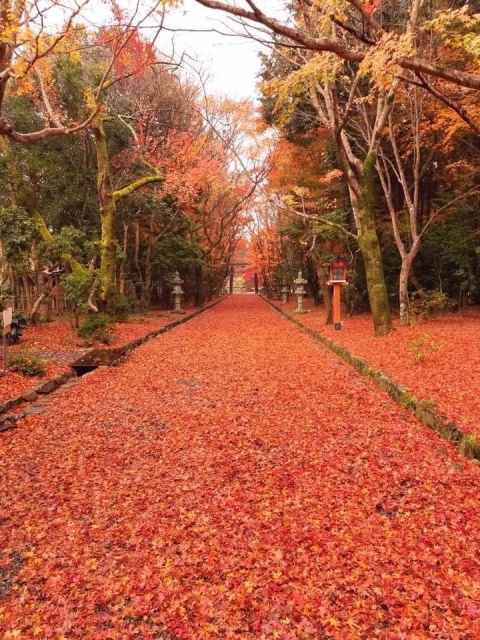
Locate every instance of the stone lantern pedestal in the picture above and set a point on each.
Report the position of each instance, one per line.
(300, 292)
(177, 293)
(285, 291)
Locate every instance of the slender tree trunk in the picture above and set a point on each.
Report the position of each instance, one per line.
(148, 271)
(405, 270)
(37, 267)
(403, 295)
(122, 268)
(136, 254)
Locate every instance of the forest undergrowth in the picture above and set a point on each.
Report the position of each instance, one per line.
(57, 343)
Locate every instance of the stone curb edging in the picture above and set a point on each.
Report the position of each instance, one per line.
(423, 410)
(48, 386)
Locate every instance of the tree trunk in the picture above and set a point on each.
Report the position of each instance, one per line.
(372, 256)
(139, 287)
(122, 268)
(324, 288)
(200, 286)
(148, 271)
(403, 295)
(47, 289)
(107, 216)
(407, 262)
(28, 296)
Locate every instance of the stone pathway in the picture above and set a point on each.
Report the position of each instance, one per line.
(234, 480)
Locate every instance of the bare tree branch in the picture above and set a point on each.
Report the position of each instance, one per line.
(300, 37)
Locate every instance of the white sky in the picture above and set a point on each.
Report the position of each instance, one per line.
(230, 62)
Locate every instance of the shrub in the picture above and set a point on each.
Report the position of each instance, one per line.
(78, 286)
(424, 346)
(19, 322)
(96, 328)
(426, 304)
(28, 364)
(122, 307)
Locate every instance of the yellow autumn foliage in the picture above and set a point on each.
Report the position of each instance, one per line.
(380, 61)
(321, 68)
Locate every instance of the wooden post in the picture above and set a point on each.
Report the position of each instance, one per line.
(7, 323)
(337, 309)
(4, 354)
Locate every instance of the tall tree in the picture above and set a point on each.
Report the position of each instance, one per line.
(377, 42)
(32, 32)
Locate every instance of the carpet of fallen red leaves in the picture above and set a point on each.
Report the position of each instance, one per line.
(234, 479)
(56, 339)
(436, 359)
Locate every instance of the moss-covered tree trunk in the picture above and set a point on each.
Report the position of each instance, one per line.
(107, 216)
(108, 212)
(369, 246)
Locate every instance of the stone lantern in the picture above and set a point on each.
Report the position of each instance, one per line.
(300, 292)
(285, 291)
(177, 292)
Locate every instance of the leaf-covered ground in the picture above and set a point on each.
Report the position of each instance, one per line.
(59, 345)
(436, 359)
(233, 479)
